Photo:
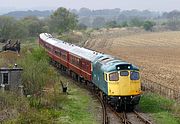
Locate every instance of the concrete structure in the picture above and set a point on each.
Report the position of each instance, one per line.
(10, 78)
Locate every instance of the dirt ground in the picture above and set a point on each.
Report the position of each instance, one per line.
(156, 53)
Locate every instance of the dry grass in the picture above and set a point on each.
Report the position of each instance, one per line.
(157, 54)
(8, 58)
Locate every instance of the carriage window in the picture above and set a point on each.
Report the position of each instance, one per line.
(124, 73)
(58, 53)
(114, 76)
(134, 75)
(74, 60)
(63, 55)
(48, 47)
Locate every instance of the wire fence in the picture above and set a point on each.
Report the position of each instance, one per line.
(148, 85)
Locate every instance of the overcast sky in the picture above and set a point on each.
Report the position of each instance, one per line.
(156, 5)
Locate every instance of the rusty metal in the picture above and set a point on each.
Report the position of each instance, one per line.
(146, 121)
(105, 117)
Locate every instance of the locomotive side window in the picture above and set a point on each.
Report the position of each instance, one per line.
(134, 75)
(124, 73)
(114, 76)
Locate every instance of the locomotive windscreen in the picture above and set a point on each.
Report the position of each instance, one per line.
(123, 67)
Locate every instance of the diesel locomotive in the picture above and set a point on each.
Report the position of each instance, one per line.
(117, 81)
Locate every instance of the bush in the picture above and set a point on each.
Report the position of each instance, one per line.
(148, 25)
(136, 22)
(12, 105)
(37, 72)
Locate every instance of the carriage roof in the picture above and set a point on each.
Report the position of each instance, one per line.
(73, 49)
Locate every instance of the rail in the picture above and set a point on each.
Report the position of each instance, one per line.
(146, 121)
(124, 118)
(105, 117)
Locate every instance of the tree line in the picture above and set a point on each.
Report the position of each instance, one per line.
(129, 18)
(62, 20)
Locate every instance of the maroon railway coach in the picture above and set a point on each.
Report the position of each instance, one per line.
(77, 59)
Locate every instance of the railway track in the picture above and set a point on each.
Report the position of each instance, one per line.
(143, 119)
(105, 117)
(130, 117)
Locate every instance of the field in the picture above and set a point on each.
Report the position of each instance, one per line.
(156, 53)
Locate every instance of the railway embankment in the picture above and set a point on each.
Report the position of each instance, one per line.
(45, 102)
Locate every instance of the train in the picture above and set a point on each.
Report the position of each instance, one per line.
(117, 81)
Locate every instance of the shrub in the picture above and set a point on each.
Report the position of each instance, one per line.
(148, 25)
(37, 72)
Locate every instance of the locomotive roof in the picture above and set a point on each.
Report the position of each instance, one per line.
(110, 63)
(78, 51)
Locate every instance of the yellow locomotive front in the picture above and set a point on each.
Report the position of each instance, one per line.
(123, 83)
(124, 86)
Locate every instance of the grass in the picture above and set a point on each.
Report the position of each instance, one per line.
(79, 107)
(162, 110)
(75, 108)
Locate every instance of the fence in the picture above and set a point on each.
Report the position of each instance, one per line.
(148, 85)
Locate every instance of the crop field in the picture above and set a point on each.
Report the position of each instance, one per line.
(156, 53)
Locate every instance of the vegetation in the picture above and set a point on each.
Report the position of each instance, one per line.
(163, 111)
(62, 20)
(148, 25)
(136, 22)
(36, 71)
(20, 29)
(45, 102)
(98, 22)
(112, 24)
(7, 27)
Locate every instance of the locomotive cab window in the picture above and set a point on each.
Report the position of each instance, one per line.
(114, 76)
(134, 75)
(124, 73)
(105, 76)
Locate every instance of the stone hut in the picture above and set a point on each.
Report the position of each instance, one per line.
(10, 78)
